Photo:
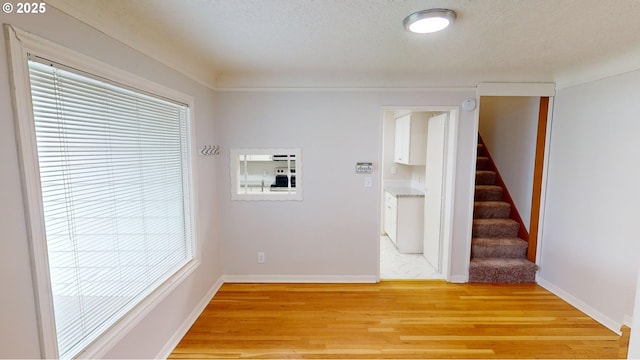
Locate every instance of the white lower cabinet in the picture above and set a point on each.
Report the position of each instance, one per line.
(390, 216)
(403, 222)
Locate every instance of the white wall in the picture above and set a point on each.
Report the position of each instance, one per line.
(334, 232)
(418, 174)
(508, 126)
(634, 341)
(19, 326)
(590, 250)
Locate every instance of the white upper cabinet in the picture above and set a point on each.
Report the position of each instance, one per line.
(411, 139)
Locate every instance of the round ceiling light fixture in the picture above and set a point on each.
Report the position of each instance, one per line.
(428, 21)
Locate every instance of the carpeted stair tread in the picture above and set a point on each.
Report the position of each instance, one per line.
(482, 163)
(498, 255)
(491, 210)
(488, 193)
(502, 270)
(495, 228)
(498, 248)
(485, 177)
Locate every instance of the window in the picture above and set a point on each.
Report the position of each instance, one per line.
(111, 179)
(266, 174)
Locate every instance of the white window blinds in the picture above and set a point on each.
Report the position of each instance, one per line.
(114, 170)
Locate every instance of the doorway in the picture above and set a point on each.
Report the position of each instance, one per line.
(417, 170)
(514, 131)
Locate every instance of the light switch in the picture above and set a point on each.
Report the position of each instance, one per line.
(368, 181)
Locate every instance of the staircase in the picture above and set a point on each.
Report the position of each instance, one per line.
(498, 254)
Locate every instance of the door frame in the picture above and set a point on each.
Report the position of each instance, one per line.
(436, 194)
(546, 93)
(449, 175)
(538, 170)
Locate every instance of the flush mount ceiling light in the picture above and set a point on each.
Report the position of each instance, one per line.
(428, 21)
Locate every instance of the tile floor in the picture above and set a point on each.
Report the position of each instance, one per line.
(394, 265)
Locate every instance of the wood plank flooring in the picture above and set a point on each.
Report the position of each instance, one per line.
(393, 320)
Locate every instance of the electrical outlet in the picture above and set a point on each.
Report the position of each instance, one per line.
(261, 258)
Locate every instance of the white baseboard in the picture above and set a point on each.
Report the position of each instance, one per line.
(300, 278)
(611, 324)
(458, 279)
(186, 325)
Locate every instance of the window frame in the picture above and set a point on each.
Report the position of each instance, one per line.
(21, 44)
(235, 170)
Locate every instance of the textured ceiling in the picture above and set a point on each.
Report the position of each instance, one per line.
(361, 43)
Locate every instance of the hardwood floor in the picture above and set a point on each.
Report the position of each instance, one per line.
(392, 320)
